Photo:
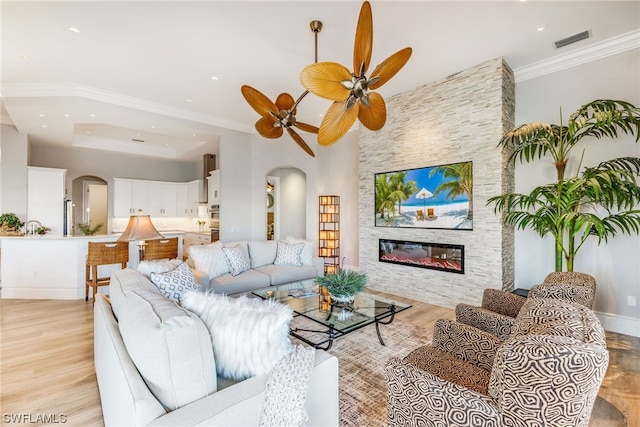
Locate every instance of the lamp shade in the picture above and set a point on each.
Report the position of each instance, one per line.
(139, 228)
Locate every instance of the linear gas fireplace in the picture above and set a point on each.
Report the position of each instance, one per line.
(435, 256)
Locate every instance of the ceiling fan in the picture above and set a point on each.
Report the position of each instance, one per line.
(350, 92)
(281, 114)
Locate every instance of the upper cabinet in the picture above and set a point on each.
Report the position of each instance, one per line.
(214, 187)
(156, 198)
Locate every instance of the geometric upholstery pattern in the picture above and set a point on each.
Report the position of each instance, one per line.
(174, 283)
(496, 315)
(567, 285)
(548, 372)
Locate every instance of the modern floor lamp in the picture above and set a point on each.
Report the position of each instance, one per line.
(140, 228)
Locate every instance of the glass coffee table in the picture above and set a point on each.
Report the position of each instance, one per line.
(330, 321)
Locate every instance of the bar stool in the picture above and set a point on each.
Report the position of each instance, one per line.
(103, 253)
(161, 249)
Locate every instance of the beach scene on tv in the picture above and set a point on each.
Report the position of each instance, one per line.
(429, 197)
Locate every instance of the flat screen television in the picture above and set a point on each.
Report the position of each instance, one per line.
(429, 197)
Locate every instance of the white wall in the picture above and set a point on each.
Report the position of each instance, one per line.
(339, 175)
(616, 264)
(13, 171)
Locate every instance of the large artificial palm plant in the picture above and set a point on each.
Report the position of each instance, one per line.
(599, 201)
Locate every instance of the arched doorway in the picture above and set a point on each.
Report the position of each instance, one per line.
(287, 215)
(90, 201)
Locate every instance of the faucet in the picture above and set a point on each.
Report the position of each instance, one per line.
(30, 226)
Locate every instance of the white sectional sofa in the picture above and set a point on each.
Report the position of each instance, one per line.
(267, 262)
(173, 381)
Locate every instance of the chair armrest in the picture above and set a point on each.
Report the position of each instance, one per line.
(494, 323)
(319, 265)
(579, 294)
(465, 342)
(416, 397)
(502, 302)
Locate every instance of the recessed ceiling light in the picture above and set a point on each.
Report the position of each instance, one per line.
(153, 126)
(24, 57)
(214, 78)
(74, 30)
(540, 27)
(189, 100)
(92, 115)
(66, 115)
(194, 134)
(41, 115)
(44, 126)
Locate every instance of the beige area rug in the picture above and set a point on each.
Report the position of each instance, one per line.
(363, 395)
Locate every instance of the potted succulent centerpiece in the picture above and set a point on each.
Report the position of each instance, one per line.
(343, 285)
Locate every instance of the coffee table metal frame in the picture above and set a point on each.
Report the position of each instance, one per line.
(303, 297)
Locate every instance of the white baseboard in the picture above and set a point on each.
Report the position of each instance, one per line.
(620, 324)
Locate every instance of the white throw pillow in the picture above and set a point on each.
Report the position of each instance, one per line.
(249, 335)
(148, 267)
(289, 254)
(306, 256)
(173, 284)
(210, 259)
(238, 261)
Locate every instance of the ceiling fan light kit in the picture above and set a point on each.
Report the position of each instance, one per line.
(351, 93)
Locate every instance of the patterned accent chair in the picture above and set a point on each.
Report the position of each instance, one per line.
(547, 373)
(570, 286)
(496, 315)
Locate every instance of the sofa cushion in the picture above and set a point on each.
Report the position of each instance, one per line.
(288, 254)
(279, 274)
(249, 335)
(243, 282)
(170, 347)
(174, 283)
(210, 259)
(157, 266)
(122, 283)
(262, 252)
(238, 261)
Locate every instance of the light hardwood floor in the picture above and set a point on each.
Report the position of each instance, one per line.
(46, 365)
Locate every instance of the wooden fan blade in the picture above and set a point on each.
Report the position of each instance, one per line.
(336, 123)
(284, 101)
(363, 45)
(265, 127)
(306, 128)
(390, 66)
(323, 79)
(374, 116)
(258, 101)
(298, 139)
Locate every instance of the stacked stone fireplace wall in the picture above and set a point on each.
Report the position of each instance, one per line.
(458, 119)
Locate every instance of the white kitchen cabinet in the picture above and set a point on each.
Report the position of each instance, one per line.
(194, 189)
(193, 239)
(45, 197)
(161, 200)
(129, 197)
(182, 200)
(214, 187)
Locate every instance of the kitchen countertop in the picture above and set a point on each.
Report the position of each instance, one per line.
(96, 236)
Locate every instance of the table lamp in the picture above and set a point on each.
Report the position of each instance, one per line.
(140, 228)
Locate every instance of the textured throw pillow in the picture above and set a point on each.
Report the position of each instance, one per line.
(173, 284)
(210, 259)
(249, 335)
(306, 256)
(289, 254)
(148, 267)
(238, 261)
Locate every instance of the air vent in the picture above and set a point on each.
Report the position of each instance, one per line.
(137, 140)
(572, 39)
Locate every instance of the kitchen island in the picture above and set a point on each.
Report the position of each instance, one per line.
(53, 267)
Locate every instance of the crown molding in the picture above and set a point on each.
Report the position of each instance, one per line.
(27, 90)
(593, 52)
